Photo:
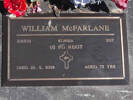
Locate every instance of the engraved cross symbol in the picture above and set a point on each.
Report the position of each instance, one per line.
(66, 58)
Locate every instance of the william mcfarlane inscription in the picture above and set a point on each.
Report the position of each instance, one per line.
(70, 28)
(65, 51)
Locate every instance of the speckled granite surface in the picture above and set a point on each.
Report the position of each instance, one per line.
(81, 92)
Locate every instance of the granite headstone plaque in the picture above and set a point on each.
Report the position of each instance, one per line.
(90, 49)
